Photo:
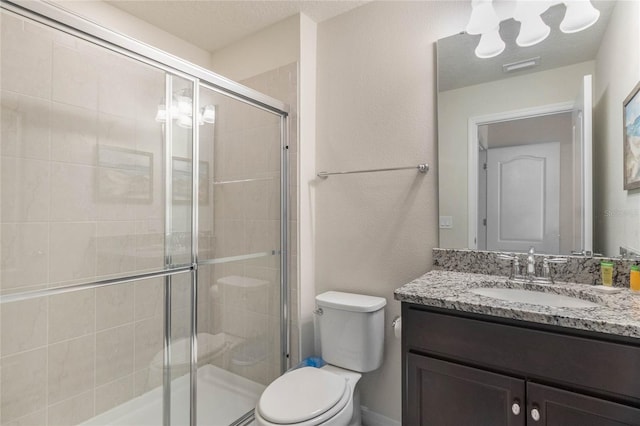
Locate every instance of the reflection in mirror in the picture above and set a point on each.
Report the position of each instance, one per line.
(526, 114)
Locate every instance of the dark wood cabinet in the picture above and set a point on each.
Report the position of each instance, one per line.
(448, 394)
(557, 407)
(476, 370)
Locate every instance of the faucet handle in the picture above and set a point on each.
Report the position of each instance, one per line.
(515, 264)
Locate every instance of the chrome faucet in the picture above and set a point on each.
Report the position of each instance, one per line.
(528, 273)
(531, 264)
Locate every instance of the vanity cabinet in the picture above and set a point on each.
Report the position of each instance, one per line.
(471, 369)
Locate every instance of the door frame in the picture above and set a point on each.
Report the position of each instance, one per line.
(472, 157)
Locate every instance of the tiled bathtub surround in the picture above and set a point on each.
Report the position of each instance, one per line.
(617, 314)
(578, 269)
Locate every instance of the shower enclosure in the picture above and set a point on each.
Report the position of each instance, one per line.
(143, 239)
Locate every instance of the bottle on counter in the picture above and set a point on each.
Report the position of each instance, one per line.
(606, 271)
(634, 278)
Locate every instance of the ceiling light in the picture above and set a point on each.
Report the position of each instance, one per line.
(209, 114)
(483, 17)
(532, 28)
(579, 16)
(161, 114)
(490, 44)
(532, 31)
(521, 65)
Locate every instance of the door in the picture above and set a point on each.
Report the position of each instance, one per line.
(582, 172)
(446, 394)
(556, 407)
(523, 198)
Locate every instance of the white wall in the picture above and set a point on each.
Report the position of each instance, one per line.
(455, 107)
(617, 212)
(110, 17)
(376, 107)
(263, 51)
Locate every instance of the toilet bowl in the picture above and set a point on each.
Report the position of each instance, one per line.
(351, 329)
(311, 396)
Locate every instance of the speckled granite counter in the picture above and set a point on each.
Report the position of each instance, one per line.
(618, 314)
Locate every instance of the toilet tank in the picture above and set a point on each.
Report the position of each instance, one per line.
(351, 330)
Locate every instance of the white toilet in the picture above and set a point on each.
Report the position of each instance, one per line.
(352, 337)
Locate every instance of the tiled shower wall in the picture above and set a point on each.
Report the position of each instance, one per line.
(65, 219)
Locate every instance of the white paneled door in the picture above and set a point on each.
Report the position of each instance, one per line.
(523, 198)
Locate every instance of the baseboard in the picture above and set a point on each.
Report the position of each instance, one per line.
(371, 418)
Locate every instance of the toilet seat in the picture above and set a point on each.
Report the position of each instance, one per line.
(306, 397)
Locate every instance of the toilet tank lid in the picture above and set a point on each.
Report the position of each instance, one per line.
(350, 301)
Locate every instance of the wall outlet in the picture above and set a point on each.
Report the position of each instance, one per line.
(446, 222)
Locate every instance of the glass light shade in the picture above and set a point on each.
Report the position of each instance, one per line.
(490, 44)
(184, 105)
(532, 31)
(483, 17)
(579, 16)
(161, 114)
(185, 122)
(209, 114)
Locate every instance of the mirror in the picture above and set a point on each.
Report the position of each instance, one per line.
(530, 142)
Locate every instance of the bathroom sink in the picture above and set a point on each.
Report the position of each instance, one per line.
(534, 297)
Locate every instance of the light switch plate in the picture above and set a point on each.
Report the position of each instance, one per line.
(446, 222)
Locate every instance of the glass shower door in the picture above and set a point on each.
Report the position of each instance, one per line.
(89, 234)
(239, 256)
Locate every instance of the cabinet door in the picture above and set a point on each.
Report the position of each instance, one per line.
(441, 393)
(556, 407)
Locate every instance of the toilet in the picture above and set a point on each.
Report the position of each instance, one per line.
(351, 328)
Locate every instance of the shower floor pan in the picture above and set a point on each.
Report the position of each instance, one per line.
(223, 397)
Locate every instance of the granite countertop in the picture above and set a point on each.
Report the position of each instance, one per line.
(617, 314)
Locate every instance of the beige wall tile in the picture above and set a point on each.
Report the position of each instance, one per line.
(72, 411)
(25, 190)
(149, 298)
(117, 131)
(23, 378)
(73, 192)
(73, 251)
(149, 337)
(25, 126)
(71, 315)
(75, 77)
(146, 380)
(116, 247)
(24, 254)
(37, 418)
(71, 368)
(23, 325)
(114, 393)
(114, 306)
(114, 353)
(26, 60)
(73, 134)
(118, 86)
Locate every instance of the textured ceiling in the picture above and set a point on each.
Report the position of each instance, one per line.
(458, 65)
(213, 24)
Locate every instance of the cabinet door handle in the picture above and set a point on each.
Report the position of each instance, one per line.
(535, 414)
(515, 407)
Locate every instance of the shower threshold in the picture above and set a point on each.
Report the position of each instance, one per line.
(223, 397)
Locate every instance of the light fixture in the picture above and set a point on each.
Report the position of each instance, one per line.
(490, 44)
(181, 110)
(209, 114)
(485, 21)
(532, 28)
(579, 16)
(483, 17)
